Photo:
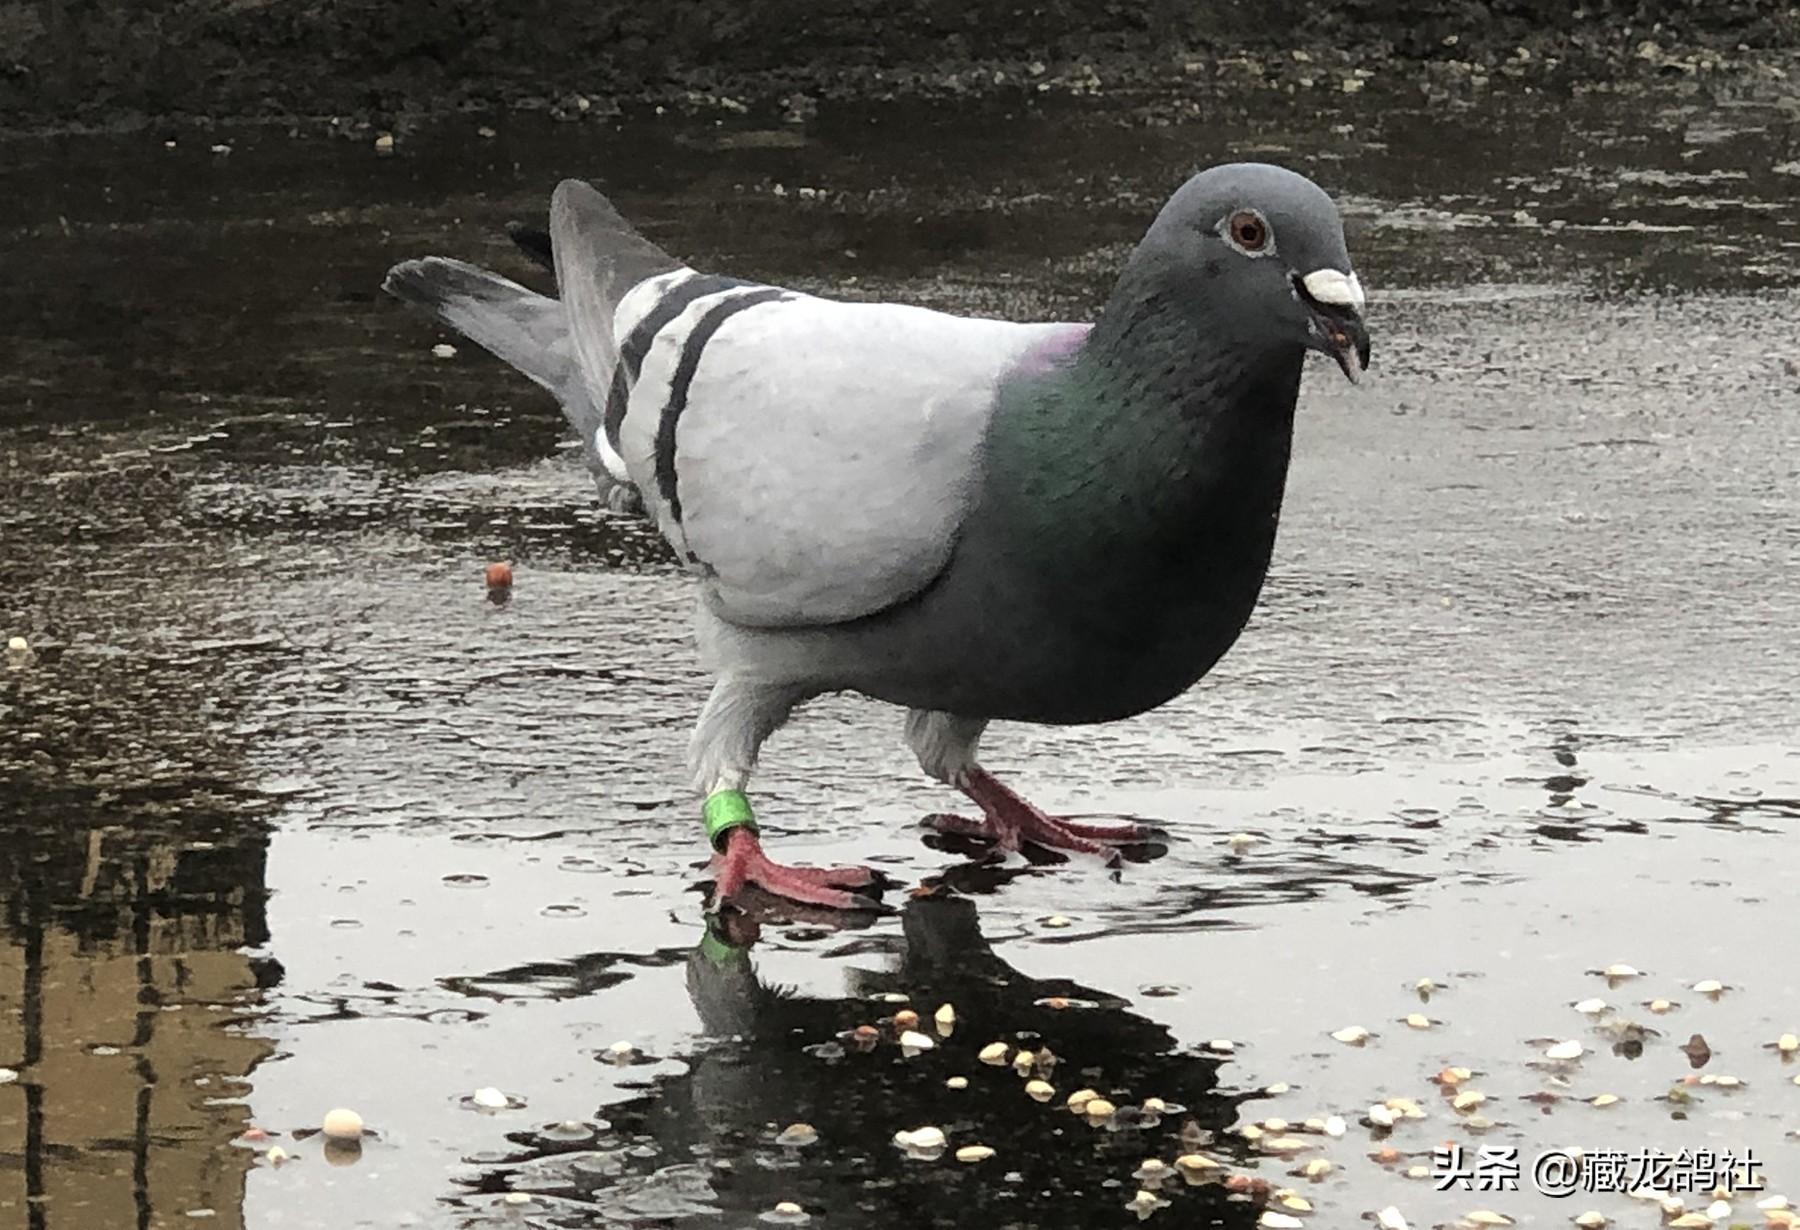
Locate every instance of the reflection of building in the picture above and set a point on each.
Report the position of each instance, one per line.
(122, 965)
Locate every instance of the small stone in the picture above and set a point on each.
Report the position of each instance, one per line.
(974, 1153)
(1335, 1126)
(276, 1155)
(342, 1124)
(1469, 1099)
(1453, 1076)
(1417, 1020)
(906, 1019)
(1487, 1217)
(1079, 1099)
(921, 1140)
(1317, 1168)
(1351, 1035)
(1283, 1144)
(1381, 1116)
(18, 644)
(8, 1076)
(1690, 1221)
(1057, 921)
(1277, 1089)
(1591, 1220)
(1787, 1044)
(1708, 986)
(912, 1042)
(1661, 1007)
(1240, 842)
(798, 1135)
(1390, 1219)
(489, 1098)
(1621, 971)
(1604, 1099)
(1039, 1091)
(1024, 1062)
(1223, 1046)
(1099, 1108)
(443, 350)
(1563, 1051)
(945, 1017)
(1425, 986)
(1271, 1220)
(994, 1053)
(1718, 1210)
(1145, 1203)
(1155, 1106)
(384, 144)
(1591, 1007)
(957, 1082)
(619, 1052)
(1195, 1165)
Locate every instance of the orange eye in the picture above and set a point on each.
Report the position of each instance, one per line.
(1248, 230)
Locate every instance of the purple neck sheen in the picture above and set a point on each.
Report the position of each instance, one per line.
(1055, 346)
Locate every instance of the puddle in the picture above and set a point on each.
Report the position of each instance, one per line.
(296, 819)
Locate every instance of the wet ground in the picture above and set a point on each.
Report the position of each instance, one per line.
(295, 818)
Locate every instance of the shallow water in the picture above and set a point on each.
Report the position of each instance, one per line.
(296, 818)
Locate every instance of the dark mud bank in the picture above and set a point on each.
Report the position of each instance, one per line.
(79, 63)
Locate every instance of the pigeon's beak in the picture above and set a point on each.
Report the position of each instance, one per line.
(1335, 301)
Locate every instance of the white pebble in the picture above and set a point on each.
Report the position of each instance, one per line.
(1381, 1116)
(1709, 986)
(1565, 1050)
(490, 1098)
(912, 1042)
(921, 1140)
(1621, 970)
(18, 644)
(342, 1124)
(1351, 1035)
(443, 350)
(1591, 1007)
(1390, 1219)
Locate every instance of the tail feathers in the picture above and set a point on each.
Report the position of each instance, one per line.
(520, 327)
(598, 258)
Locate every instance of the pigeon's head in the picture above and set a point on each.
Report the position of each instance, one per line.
(1262, 250)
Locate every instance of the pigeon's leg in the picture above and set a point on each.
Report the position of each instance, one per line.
(739, 715)
(946, 744)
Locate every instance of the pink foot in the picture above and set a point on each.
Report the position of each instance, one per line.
(744, 862)
(1009, 821)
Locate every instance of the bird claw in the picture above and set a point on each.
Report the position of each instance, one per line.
(744, 863)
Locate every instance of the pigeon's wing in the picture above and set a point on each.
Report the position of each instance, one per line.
(812, 459)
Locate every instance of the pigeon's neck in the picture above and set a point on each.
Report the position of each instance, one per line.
(1152, 460)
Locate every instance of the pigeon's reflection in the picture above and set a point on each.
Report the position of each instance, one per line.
(710, 1142)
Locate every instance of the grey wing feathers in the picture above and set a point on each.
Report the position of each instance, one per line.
(812, 459)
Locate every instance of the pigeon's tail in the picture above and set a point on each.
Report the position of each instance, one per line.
(527, 330)
(567, 344)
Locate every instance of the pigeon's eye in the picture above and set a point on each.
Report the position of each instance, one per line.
(1248, 230)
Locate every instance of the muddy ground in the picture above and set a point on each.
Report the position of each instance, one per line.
(106, 63)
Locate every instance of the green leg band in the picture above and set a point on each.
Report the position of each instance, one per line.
(718, 949)
(723, 811)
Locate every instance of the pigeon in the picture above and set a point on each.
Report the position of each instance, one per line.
(976, 520)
